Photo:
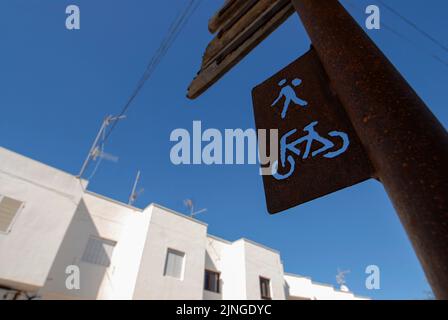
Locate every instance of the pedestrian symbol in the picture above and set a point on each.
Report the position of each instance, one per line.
(290, 95)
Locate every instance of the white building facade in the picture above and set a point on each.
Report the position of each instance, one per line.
(60, 241)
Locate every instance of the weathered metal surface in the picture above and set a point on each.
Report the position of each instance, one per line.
(405, 142)
(316, 175)
(237, 41)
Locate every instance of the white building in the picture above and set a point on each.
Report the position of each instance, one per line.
(49, 223)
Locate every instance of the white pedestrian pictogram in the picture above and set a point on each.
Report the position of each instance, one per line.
(290, 95)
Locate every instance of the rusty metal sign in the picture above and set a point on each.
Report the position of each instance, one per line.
(318, 150)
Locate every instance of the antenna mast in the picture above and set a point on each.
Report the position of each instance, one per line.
(134, 194)
(95, 150)
(190, 205)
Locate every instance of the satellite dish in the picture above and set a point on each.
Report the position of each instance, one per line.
(344, 288)
(340, 280)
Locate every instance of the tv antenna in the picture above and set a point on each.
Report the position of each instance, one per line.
(340, 279)
(190, 205)
(97, 150)
(135, 194)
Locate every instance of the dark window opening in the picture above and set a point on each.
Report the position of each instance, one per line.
(211, 281)
(265, 288)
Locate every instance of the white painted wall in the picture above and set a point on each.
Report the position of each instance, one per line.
(263, 262)
(102, 218)
(299, 288)
(214, 257)
(52, 230)
(304, 288)
(241, 264)
(51, 198)
(171, 230)
(231, 264)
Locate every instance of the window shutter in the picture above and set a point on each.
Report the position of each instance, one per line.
(99, 251)
(174, 263)
(8, 210)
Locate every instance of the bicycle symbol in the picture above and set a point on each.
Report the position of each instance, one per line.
(311, 137)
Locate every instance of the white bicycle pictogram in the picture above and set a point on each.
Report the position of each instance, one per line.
(310, 138)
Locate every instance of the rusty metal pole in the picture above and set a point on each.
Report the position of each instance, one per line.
(407, 145)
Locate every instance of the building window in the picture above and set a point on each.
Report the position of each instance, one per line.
(174, 264)
(265, 288)
(9, 208)
(99, 251)
(211, 281)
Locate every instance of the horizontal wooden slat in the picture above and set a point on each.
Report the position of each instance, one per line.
(227, 34)
(240, 46)
(230, 8)
(237, 15)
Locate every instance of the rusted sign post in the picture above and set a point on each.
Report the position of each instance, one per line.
(406, 145)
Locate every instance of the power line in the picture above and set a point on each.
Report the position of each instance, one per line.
(416, 45)
(415, 26)
(173, 32)
(404, 37)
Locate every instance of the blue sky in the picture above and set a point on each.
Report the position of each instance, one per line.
(56, 86)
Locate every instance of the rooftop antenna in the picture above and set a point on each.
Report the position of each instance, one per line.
(135, 194)
(340, 279)
(97, 149)
(190, 205)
